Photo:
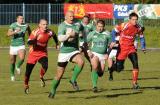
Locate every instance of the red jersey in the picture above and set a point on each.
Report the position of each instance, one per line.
(40, 48)
(127, 33)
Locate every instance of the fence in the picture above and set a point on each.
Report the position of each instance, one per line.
(31, 12)
(52, 12)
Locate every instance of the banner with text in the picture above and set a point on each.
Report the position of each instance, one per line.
(122, 11)
(103, 11)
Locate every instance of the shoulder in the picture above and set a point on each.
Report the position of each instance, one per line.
(35, 32)
(50, 32)
(106, 32)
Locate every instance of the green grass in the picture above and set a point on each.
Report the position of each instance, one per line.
(151, 34)
(117, 92)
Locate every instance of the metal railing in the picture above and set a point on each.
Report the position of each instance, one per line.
(31, 12)
(52, 12)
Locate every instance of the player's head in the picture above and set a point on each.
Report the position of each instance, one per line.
(100, 25)
(86, 19)
(20, 18)
(133, 18)
(69, 17)
(43, 24)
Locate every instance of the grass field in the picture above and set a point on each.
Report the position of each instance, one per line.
(117, 92)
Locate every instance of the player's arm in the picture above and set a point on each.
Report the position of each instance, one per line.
(89, 40)
(64, 36)
(32, 40)
(28, 30)
(54, 36)
(12, 32)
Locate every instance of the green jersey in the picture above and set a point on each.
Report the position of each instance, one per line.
(99, 41)
(69, 46)
(18, 39)
(86, 29)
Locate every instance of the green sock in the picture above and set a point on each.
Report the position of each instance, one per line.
(94, 77)
(12, 68)
(76, 72)
(20, 62)
(55, 84)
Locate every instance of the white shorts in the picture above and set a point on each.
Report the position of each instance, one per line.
(136, 44)
(113, 53)
(14, 49)
(65, 57)
(101, 57)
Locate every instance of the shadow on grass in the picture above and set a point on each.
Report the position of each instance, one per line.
(150, 78)
(113, 95)
(50, 79)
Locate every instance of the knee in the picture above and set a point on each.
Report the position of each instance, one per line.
(81, 62)
(12, 60)
(120, 67)
(45, 67)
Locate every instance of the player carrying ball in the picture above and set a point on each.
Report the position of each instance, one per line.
(68, 34)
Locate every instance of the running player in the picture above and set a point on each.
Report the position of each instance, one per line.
(87, 27)
(38, 41)
(17, 32)
(100, 39)
(68, 34)
(127, 32)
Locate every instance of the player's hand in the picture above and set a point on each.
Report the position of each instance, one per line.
(106, 56)
(17, 30)
(112, 44)
(90, 54)
(57, 47)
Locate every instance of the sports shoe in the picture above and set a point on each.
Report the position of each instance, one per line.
(95, 89)
(110, 77)
(75, 85)
(51, 95)
(136, 86)
(26, 89)
(12, 78)
(42, 82)
(18, 70)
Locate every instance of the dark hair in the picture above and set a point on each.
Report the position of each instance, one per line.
(133, 14)
(101, 22)
(19, 15)
(86, 16)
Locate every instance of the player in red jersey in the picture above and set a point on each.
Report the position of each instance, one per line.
(127, 32)
(38, 41)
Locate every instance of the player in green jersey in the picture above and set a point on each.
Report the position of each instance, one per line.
(17, 32)
(68, 34)
(99, 40)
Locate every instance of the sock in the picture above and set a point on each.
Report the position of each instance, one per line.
(42, 72)
(135, 75)
(12, 68)
(55, 84)
(20, 62)
(26, 80)
(76, 72)
(94, 77)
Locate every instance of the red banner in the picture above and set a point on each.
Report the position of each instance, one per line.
(95, 10)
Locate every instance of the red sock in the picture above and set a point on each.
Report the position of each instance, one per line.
(135, 76)
(42, 72)
(26, 80)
